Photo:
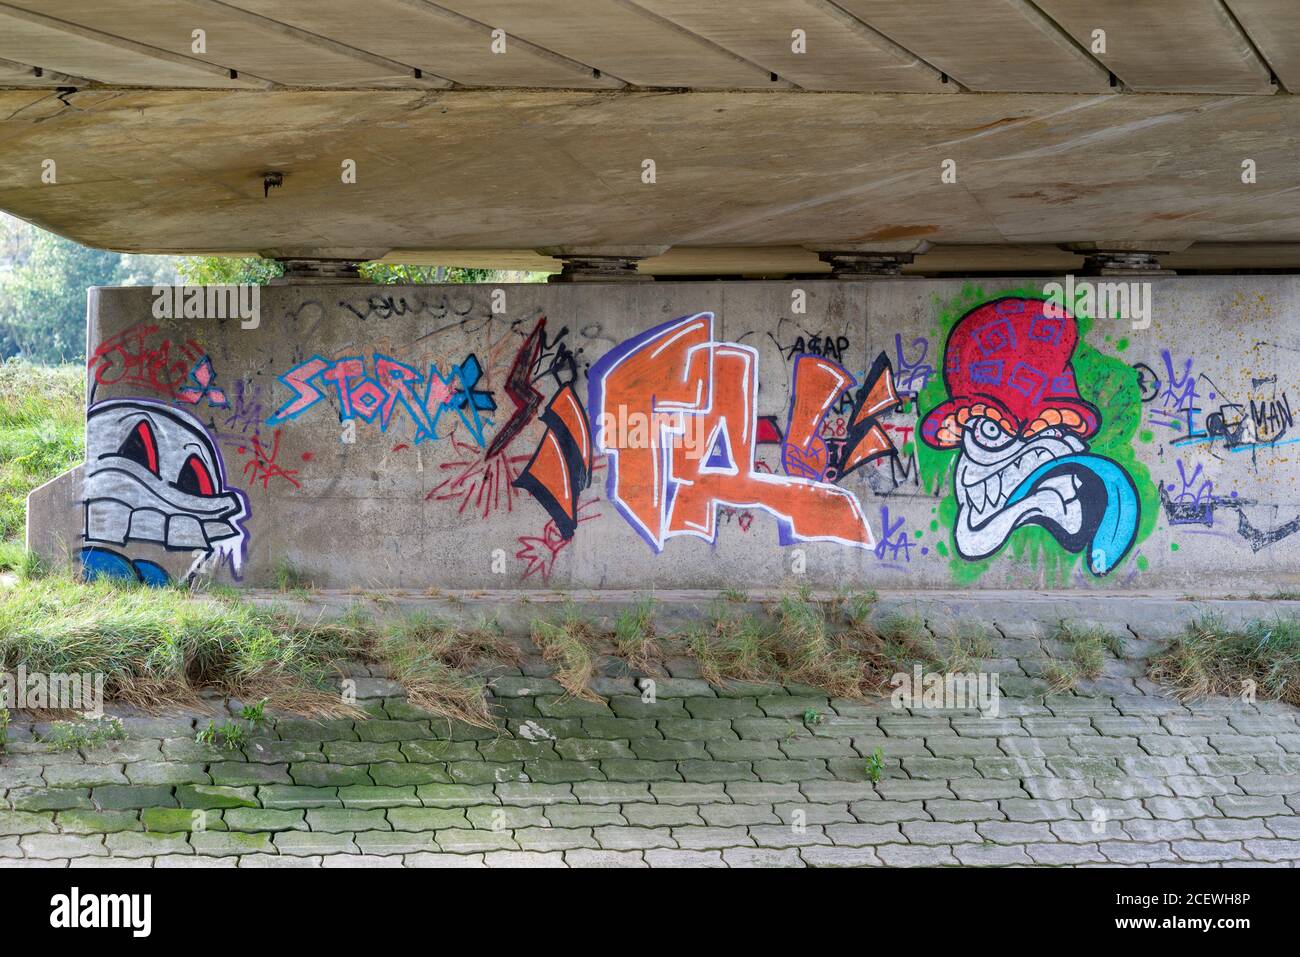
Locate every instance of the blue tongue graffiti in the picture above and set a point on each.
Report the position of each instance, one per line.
(1110, 507)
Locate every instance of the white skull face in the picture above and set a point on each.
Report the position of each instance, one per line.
(154, 475)
(992, 465)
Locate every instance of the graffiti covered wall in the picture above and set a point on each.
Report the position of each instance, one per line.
(704, 435)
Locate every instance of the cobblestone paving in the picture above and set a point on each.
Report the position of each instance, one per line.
(1115, 773)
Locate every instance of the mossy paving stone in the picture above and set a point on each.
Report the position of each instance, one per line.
(177, 819)
(26, 822)
(338, 820)
(265, 819)
(370, 796)
(98, 822)
(49, 799)
(329, 775)
(439, 752)
(390, 774)
(289, 796)
(228, 843)
(362, 752)
(240, 775)
(303, 729)
(382, 730)
(125, 797)
(215, 796)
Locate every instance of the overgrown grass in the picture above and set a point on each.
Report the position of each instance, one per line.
(442, 666)
(159, 646)
(566, 644)
(42, 421)
(289, 577)
(84, 733)
(1211, 658)
(1088, 646)
(634, 632)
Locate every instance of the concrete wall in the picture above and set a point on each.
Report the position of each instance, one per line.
(413, 437)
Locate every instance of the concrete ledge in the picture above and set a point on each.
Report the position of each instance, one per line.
(1146, 614)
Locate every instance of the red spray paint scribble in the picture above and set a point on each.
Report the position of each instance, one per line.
(263, 465)
(137, 357)
(540, 552)
(484, 483)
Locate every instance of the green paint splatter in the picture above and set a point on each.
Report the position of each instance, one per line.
(934, 525)
(1121, 345)
(942, 549)
(1173, 546)
(1146, 435)
(1142, 563)
(1107, 382)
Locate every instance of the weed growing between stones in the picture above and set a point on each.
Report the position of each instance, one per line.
(1088, 647)
(634, 633)
(1210, 658)
(832, 645)
(443, 667)
(229, 735)
(289, 578)
(84, 733)
(162, 647)
(566, 645)
(876, 766)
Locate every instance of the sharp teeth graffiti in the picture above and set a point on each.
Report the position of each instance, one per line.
(1015, 414)
(678, 417)
(153, 474)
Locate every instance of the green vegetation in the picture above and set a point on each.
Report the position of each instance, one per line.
(84, 733)
(634, 632)
(566, 644)
(43, 282)
(1088, 647)
(222, 270)
(230, 736)
(876, 766)
(1210, 658)
(160, 646)
(42, 415)
(442, 666)
(254, 714)
(289, 578)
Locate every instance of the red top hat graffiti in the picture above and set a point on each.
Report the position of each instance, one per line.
(1009, 360)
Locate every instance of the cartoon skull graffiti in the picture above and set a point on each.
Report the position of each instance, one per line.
(153, 474)
(1020, 427)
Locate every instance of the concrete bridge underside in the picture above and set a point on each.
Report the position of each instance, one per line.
(505, 133)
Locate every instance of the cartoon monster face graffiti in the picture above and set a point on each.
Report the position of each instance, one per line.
(1021, 428)
(154, 475)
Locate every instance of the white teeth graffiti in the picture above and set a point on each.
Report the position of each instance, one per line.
(991, 466)
(154, 475)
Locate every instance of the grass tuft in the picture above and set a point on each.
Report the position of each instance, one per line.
(565, 644)
(443, 667)
(1088, 646)
(634, 633)
(42, 425)
(289, 578)
(85, 733)
(1211, 658)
